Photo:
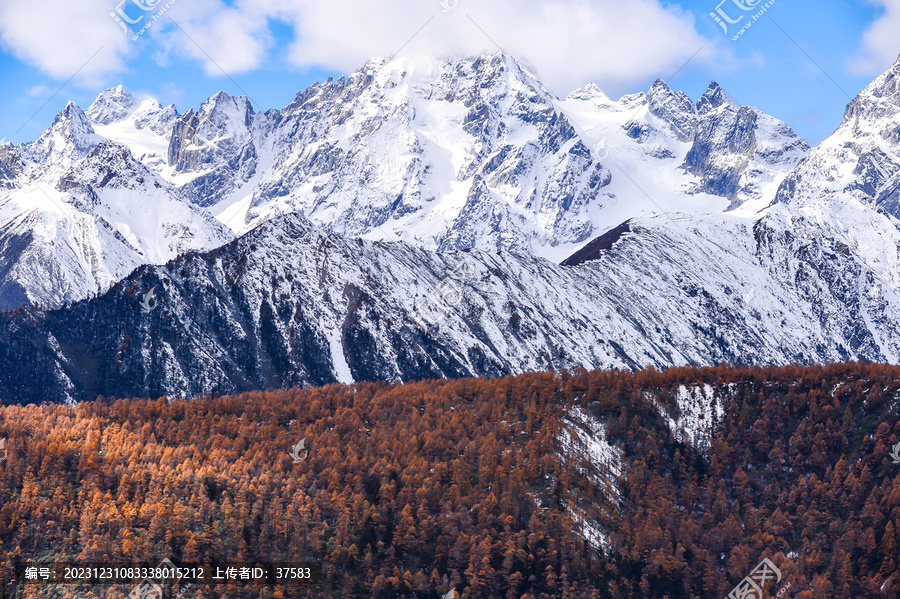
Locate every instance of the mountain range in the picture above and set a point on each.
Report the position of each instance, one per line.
(439, 218)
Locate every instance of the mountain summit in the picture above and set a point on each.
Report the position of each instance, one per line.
(111, 105)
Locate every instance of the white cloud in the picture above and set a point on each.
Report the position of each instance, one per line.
(569, 42)
(879, 43)
(221, 37)
(60, 36)
(39, 91)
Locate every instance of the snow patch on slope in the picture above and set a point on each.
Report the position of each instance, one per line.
(699, 409)
(583, 437)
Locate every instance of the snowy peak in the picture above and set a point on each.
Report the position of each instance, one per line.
(117, 104)
(111, 105)
(876, 108)
(222, 117)
(886, 86)
(675, 108)
(469, 79)
(715, 97)
(225, 115)
(449, 154)
(503, 74)
(857, 166)
(197, 137)
(151, 115)
(590, 92)
(69, 138)
(215, 147)
(739, 152)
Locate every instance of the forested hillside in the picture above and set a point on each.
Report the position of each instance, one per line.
(488, 485)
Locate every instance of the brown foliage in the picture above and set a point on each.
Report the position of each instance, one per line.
(411, 489)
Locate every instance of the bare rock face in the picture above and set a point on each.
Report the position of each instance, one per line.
(216, 142)
(739, 152)
(110, 106)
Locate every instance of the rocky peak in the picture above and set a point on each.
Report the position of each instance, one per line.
(860, 161)
(217, 143)
(111, 105)
(877, 106)
(740, 153)
(222, 122)
(675, 108)
(715, 97)
(151, 115)
(226, 111)
(69, 138)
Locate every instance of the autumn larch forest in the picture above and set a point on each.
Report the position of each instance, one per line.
(482, 485)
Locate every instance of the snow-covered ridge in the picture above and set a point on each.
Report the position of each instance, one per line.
(462, 153)
(286, 305)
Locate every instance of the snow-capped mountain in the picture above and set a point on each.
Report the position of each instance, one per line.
(850, 185)
(68, 140)
(145, 127)
(79, 212)
(740, 152)
(471, 155)
(112, 105)
(212, 152)
(441, 154)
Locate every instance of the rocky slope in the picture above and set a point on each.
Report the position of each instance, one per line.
(286, 305)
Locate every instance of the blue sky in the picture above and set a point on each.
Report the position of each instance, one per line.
(797, 62)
